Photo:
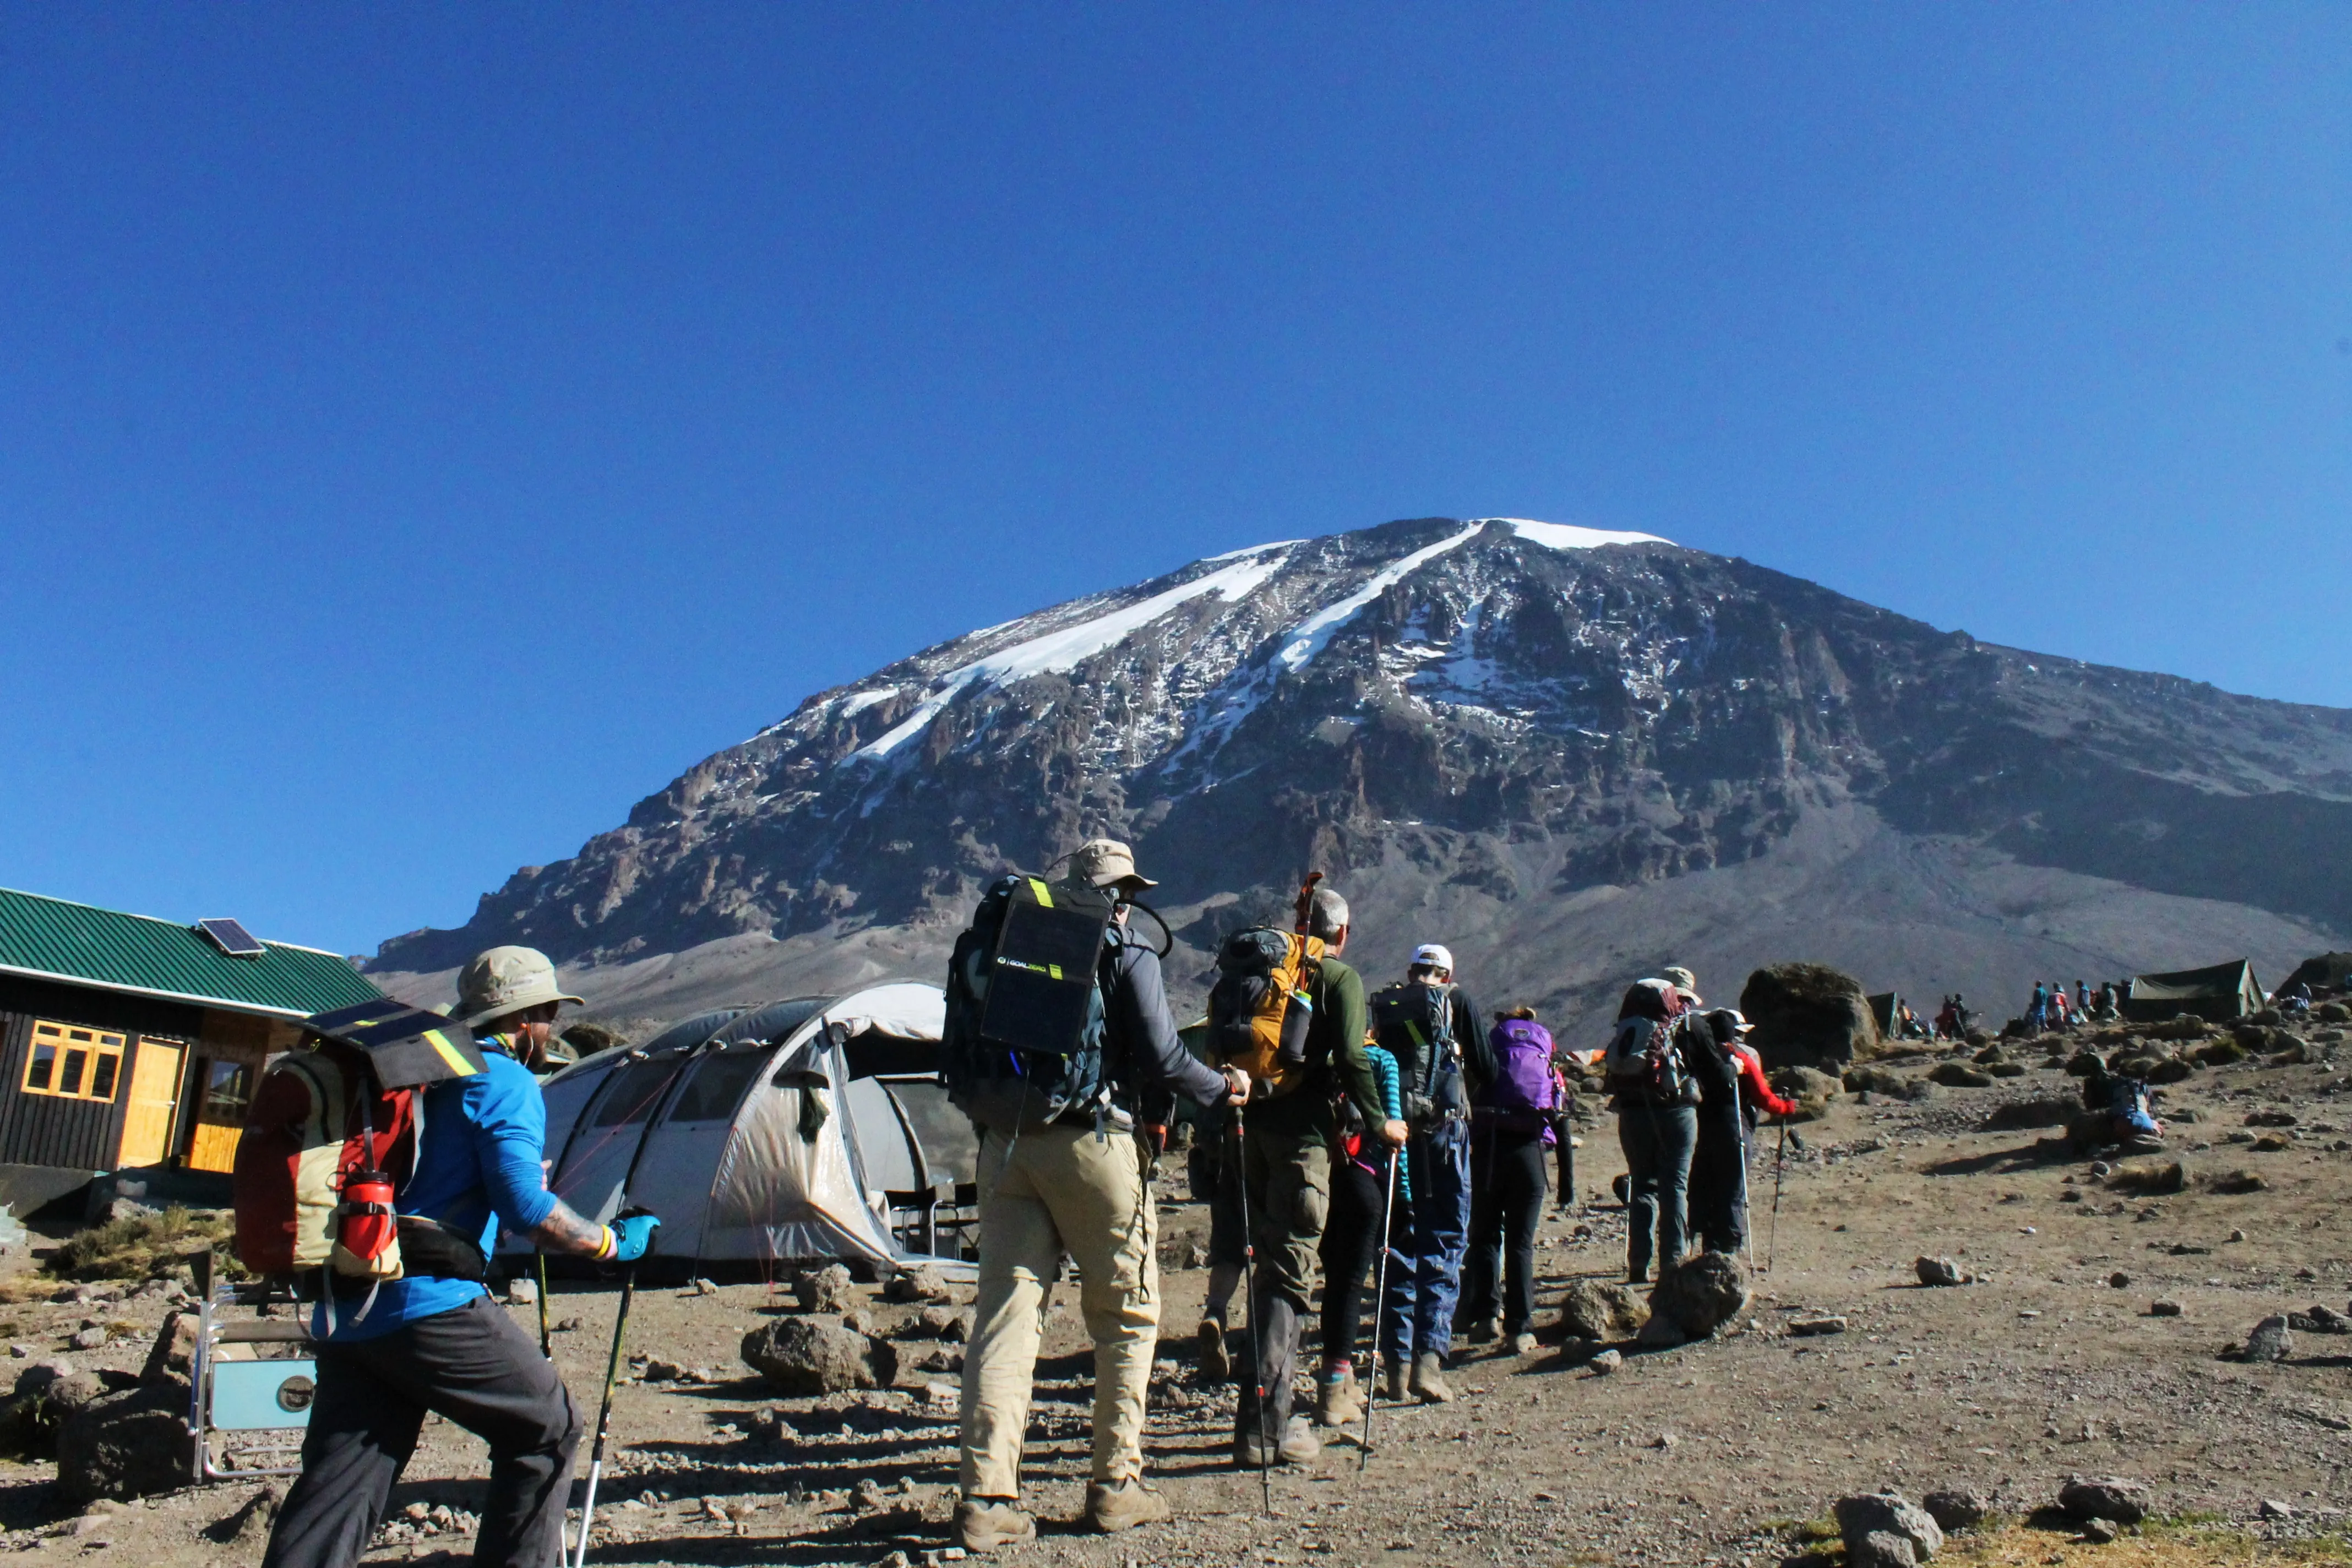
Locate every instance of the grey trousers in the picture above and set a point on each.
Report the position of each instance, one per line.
(471, 1366)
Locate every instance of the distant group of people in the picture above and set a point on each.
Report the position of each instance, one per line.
(2052, 1008)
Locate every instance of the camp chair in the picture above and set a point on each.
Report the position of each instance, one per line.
(253, 1380)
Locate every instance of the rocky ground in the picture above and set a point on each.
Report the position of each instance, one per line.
(2051, 1363)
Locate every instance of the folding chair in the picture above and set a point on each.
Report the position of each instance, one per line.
(253, 1380)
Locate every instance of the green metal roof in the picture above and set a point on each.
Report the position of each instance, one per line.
(80, 944)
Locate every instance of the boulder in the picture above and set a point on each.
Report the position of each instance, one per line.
(1594, 1310)
(1888, 1082)
(125, 1445)
(1811, 1088)
(1942, 1272)
(173, 1356)
(1807, 1015)
(2271, 1340)
(915, 1286)
(1960, 1075)
(1956, 1510)
(1892, 1514)
(805, 1356)
(1701, 1294)
(2106, 1497)
(827, 1289)
(1879, 1549)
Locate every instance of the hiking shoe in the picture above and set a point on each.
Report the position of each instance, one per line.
(1428, 1383)
(1337, 1401)
(983, 1523)
(1523, 1344)
(1394, 1378)
(1299, 1444)
(1216, 1362)
(1111, 1509)
(1250, 1449)
(1485, 1331)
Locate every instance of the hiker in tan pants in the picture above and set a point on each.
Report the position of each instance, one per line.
(1077, 1184)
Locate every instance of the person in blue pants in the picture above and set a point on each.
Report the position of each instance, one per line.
(1433, 1030)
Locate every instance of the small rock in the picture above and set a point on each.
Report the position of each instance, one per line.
(1824, 1324)
(522, 1293)
(2164, 1309)
(1595, 1310)
(1956, 1510)
(915, 1286)
(866, 1496)
(1700, 1294)
(712, 1508)
(2273, 1509)
(827, 1289)
(2106, 1497)
(703, 1288)
(568, 1326)
(1665, 1440)
(2119, 1281)
(2098, 1531)
(1606, 1363)
(1941, 1271)
(2271, 1340)
(2238, 1235)
(92, 1338)
(806, 1356)
(660, 1371)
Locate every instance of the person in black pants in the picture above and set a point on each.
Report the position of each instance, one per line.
(1511, 1120)
(1657, 1124)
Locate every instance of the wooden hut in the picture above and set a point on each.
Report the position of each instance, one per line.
(129, 1043)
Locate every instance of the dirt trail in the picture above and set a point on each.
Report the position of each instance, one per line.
(1704, 1454)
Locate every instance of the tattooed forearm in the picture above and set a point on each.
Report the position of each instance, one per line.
(563, 1231)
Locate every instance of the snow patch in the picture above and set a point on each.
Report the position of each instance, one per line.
(1066, 648)
(1255, 550)
(1569, 536)
(1311, 636)
(857, 702)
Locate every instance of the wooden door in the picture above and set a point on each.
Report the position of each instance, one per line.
(226, 1085)
(154, 1095)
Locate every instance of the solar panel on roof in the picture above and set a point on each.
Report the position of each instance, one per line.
(232, 938)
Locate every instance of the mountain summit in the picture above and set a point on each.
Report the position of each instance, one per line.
(1572, 754)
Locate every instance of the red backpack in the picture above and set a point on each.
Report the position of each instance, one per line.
(332, 1136)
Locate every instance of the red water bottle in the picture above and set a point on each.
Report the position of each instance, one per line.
(368, 1226)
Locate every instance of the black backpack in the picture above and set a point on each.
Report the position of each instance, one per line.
(1025, 997)
(1413, 1020)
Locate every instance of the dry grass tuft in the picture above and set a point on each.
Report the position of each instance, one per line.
(2157, 1545)
(141, 1247)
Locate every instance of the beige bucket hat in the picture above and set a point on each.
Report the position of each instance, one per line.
(1105, 862)
(506, 979)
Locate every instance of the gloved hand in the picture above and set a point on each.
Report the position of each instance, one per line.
(632, 1235)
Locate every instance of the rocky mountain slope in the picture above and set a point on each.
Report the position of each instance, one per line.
(1572, 754)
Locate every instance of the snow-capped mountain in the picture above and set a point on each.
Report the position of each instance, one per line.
(1573, 754)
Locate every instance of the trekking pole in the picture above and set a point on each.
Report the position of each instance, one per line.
(1780, 1163)
(1747, 1216)
(1380, 1296)
(1256, 1314)
(604, 1409)
(543, 1347)
(628, 1296)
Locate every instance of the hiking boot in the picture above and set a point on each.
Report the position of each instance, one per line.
(1485, 1331)
(1338, 1403)
(1393, 1380)
(1523, 1344)
(1111, 1509)
(1251, 1450)
(1299, 1444)
(1216, 1362)
(1428, 1383)
(985, 1523)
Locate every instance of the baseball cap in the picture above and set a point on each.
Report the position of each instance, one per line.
(1101, 862)
(1433, 955)
(506, 979)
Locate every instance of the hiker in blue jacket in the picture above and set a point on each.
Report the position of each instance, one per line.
(433, 1341)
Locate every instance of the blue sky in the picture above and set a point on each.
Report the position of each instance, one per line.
(425, 430)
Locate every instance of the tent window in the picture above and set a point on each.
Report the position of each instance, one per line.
(717, 1085)
(632, 1095)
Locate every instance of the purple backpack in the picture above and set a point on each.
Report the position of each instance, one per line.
(1521, 1095)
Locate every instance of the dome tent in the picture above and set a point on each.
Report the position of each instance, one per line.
(810, 1128)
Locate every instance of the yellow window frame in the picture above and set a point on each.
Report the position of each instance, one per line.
(74, 1061)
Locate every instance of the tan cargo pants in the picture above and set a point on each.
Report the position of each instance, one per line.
(1050, 1190)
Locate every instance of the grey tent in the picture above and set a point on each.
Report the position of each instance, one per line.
(813, 1127)
(2217, 995)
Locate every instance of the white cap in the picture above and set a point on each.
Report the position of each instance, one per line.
(1433, 955)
